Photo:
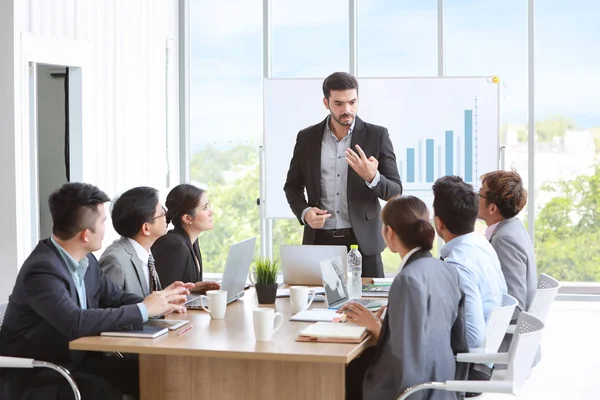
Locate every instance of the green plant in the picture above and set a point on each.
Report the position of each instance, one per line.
(265, 271)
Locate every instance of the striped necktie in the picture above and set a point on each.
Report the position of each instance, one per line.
(154, 281)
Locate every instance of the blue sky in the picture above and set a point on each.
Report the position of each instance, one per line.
(396, 38)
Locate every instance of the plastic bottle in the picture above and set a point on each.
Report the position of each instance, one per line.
(354, 264)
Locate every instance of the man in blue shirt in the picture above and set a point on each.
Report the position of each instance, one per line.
(456, 206)
(61, 295)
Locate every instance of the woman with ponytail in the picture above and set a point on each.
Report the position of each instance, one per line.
(414, 341)
(177, 254)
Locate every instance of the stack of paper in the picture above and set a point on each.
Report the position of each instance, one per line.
(333, 330)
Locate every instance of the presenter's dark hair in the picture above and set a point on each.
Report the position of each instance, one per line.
(182, 200)
(339, 81)
(409, 219)
(74, 208)
(456, 204)
(133, 209)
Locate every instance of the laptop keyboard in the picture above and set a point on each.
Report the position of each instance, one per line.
(363, 302)
(196, 303)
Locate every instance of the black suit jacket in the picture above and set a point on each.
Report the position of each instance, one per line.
(44, 313)
(174, 258)
(363, 203)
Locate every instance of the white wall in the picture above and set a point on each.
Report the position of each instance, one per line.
(8, 127)
(51, 141)
(125, 139)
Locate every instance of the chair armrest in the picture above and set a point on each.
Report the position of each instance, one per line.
(511, 329)
(483, 358)
(506, 387)
(15, 362)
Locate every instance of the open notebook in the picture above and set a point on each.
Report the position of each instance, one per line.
(333, 332)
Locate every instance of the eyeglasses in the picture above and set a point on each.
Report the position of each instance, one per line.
(482, 196)
(162, 214)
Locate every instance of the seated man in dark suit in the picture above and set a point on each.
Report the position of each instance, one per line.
(61, 295)
(140, 219)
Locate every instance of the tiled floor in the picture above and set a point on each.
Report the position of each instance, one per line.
(570, 366)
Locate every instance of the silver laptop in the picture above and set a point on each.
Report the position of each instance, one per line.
(336, 291)
(301, 265)
(238, 262)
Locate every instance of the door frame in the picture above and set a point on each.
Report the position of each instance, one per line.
(74, 54)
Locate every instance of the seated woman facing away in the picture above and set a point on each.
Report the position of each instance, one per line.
(177, 254)
(414, 340)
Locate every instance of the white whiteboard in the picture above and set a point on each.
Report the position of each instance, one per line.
(438, 126)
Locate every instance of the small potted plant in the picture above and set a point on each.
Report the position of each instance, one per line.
(264, 276)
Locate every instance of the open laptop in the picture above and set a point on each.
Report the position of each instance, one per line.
(336, 291)
(238, 262)
(301, 265)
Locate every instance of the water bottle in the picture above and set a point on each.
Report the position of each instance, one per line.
(354, 272)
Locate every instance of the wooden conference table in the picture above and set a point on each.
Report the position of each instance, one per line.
(221, 359)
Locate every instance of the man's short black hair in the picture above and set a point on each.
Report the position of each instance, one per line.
(133, 209)
(339, 81)
(456, 204)
(74, 207)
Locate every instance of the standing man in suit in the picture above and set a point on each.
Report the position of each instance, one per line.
(140, 219)
(501, 197)
(61, 295)
(345, 165)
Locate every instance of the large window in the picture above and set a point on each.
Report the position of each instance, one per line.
(309, 38)
(397, 38)
(400, 39)
(567, 131)
(490, 39)
(226, 118)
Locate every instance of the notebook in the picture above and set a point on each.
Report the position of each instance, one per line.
(317, 314)
(376, 290)
(333, 332)
(172, 324)
(150, 330)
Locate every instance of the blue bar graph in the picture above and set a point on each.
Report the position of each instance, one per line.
(456, 154)
(429, 160)
(468, 145)
(410, 165)
(449, 152)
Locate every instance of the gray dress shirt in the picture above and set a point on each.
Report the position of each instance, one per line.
(334, 178)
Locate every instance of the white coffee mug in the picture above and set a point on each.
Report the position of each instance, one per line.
(266, 323)
(299, 298)
(217, 303)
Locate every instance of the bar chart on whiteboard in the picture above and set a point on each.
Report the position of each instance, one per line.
(449, 152)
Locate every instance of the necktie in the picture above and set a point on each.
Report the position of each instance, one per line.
(154, 281)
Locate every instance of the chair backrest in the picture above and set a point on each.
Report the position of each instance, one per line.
(544, 296)
(497, 323)
(2, 311)
(523, 349)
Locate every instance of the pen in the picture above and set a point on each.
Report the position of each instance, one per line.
(184, 330)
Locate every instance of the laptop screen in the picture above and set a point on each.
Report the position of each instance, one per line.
(333, 281)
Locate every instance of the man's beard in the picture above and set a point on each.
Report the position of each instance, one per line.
(343, 123)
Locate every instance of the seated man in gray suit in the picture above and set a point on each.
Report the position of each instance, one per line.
(140, 219)
(501, 197)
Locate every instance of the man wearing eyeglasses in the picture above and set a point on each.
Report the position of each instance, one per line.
(140, 219)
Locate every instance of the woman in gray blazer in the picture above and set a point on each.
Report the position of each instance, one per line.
(415, 340)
